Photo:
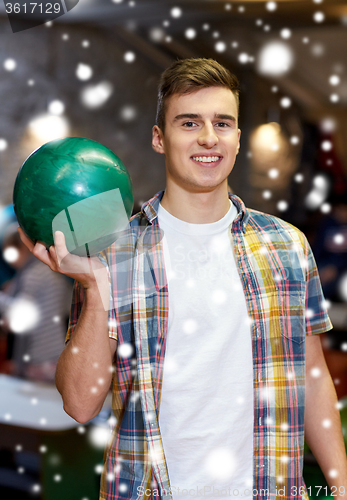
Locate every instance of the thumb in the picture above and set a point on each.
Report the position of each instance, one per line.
(60, 246)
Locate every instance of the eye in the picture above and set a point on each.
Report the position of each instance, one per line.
(188, 124)
(222, 124)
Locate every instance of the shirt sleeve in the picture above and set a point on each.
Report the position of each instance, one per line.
(317, 319)
(78, 295)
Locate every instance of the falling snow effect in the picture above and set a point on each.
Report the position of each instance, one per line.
(176, 12)
(125, 350)
(95, 96)
(220, 464)
(84, 72)
(271, 6)
(282, 205)
(156, 35)
(190, 326)
(220, 46)
(318, 17)
(275, 58)
(10, 64)
(244, 58)
(190, 33)
(99, 435)
(23, 315)
(334, 80)
(328, 125)
(285, 33)
(318, 194)
(273, 173)
(128, 113)
(285, 102)
(129, 57)
(10, 255)
(56, 107)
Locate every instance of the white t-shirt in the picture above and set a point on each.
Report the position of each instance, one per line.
(206, 411)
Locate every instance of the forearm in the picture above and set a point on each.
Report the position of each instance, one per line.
(323, 431)
(84, 370)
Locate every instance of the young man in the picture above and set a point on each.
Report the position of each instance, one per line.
(211, 329)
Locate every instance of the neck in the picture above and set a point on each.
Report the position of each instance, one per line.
(197, 207)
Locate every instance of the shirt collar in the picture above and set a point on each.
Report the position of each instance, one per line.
(150, 208)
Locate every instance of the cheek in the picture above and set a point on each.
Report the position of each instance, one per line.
(178, 149)
(235, 144)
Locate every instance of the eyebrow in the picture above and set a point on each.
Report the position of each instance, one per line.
(194, 116)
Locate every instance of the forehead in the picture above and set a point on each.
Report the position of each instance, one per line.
(208, 101)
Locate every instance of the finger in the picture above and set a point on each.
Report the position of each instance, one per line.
(53, 257)
(64, 265)
(60, 246)
(41, 253)
(66, 262)
(25, 239)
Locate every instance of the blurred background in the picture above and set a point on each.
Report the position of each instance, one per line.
(93, 73)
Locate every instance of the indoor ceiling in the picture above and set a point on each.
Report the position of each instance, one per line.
(163, 30)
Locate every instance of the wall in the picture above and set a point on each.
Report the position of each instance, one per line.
(43, 55)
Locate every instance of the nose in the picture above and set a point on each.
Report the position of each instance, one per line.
(208, 136)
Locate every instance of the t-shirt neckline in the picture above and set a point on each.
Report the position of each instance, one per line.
(167, 219)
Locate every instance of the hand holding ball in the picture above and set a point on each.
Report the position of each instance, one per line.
(76, 186)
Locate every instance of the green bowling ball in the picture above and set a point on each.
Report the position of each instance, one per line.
(77, 186)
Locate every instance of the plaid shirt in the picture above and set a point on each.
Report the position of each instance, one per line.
(285, 303)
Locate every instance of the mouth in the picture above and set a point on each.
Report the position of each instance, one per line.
(207, 161)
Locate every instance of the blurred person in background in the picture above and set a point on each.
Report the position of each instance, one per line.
(330, 249)
(34, 306)
(7, 218)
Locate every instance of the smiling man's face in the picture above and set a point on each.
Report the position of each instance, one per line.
(201, 139)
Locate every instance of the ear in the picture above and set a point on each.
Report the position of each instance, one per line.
(238, 147)
(157, 140)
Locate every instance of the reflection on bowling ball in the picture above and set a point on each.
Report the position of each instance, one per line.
(76, 186)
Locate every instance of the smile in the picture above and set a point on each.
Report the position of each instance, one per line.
(206, 159)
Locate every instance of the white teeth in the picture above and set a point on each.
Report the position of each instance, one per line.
(206, 159)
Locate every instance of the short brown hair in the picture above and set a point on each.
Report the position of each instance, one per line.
(189, 75)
